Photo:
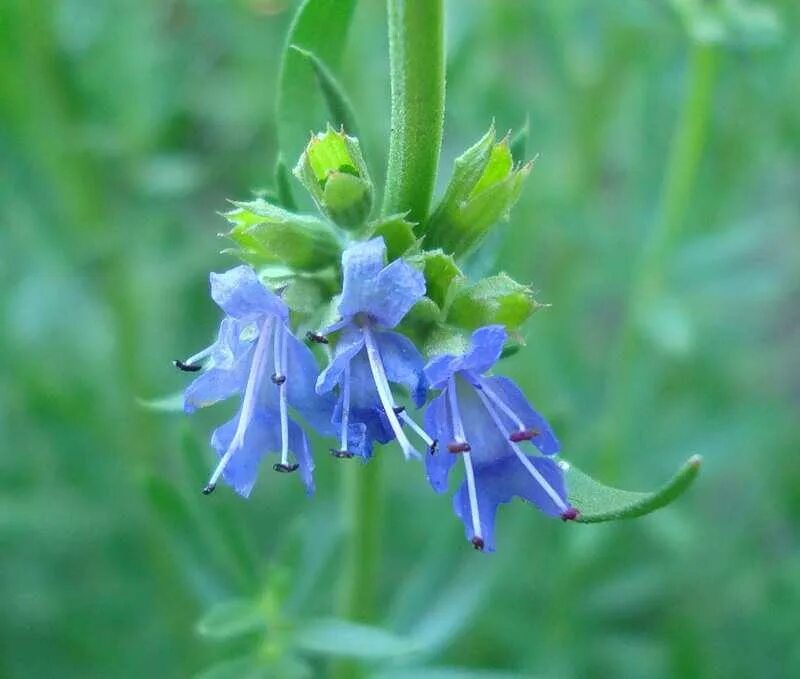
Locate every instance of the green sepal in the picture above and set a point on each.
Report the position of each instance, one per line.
(266, 233)
(338, 103)
(497, 299)
(283, 188)
(398, 234)
(440, 271)
(333, 170)
(519, 142)
(597, 502)
(485, 186)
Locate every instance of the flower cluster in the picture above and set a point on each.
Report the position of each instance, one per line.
(483, 420)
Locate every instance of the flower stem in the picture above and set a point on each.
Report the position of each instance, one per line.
(416, 56)
(681, 174)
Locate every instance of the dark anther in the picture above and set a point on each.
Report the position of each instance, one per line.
(341, 454)
(523, 435)
(285, 468)
(316, 337)
(186, 367)
(570, 514)
(209, 489)
(459, 447)
(278, 379)
(434, 445)
(477, 543)
(399, 409)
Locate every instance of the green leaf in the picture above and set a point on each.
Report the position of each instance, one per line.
(320, 27)
(519, 142)
(339, 106)
(231, 619)
(598, 503)
(336, 637)
(268, 232)
(398, 234)
(247, 667)
(165, 404)
(497, 299)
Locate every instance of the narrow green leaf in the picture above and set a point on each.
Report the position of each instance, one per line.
(337, 637)
(231, 619)
(320, 27)
(497, 299)
(519, 142)
(283, 186)
(598, 503)
(165, 404)
(339, 106)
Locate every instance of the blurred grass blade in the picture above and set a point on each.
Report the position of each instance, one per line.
(230, 619)
(336, 637)
(338, 103)
(320, 26)
(598, 503)
(165, 404)
(519, 142)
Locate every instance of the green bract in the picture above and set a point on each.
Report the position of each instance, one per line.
(268, 234)
(333, 170)
(484, 187)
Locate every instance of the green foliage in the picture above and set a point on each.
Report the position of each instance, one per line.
(267, 234)
(497, 299)
(484, 187)
(398, 234)
(598, 502)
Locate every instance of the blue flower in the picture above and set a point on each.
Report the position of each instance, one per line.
(484, 420)
(256, 356)
(369, 356)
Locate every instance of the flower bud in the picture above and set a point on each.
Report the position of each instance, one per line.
(484, 187)
(335, 174)
(269, 234)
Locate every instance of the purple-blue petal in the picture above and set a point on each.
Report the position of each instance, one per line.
(486, 345)
(403, 364)
(218, 383)
(513, 397)
(350, 343)
(241, 295)
(437, 425)
(440, 369)
(498, 483)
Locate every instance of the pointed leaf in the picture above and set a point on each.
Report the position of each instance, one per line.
(597, 502)
(285, 198)
(332, 636)
(231, 619)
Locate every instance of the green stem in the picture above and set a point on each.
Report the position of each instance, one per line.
(416, 56)
(679, 180)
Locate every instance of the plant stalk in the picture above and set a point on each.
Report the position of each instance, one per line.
(416, 59)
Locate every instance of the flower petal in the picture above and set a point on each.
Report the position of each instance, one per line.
(361, 262)
(438, 427)
(486, 345)
(498, 483)
(403, 364)
(349, 344)
(240, 294)
(218, 384)
(511, 395)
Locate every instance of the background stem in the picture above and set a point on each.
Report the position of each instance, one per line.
(686, 152)
(416, 54)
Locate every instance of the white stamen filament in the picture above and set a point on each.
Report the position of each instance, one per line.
(345, 407)
(537, 476)
(419, 430)
(458, 433)
(199, 356)
(501, 404)
(249, 399)
(280, 349)
(385, 393)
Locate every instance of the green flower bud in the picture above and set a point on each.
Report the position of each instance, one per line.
(267, 234)
(485, 186)
(335, 174)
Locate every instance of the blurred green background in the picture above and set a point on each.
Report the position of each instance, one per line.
(124, 126)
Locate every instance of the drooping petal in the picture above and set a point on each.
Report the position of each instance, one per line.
(349, 344)
(439, 428)
(262, 436)
(241, 295)
(298, 446)
(498, 483)
(403, 364)
(365, 404)
(545, 440)
(487, 442)
(440, 369)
